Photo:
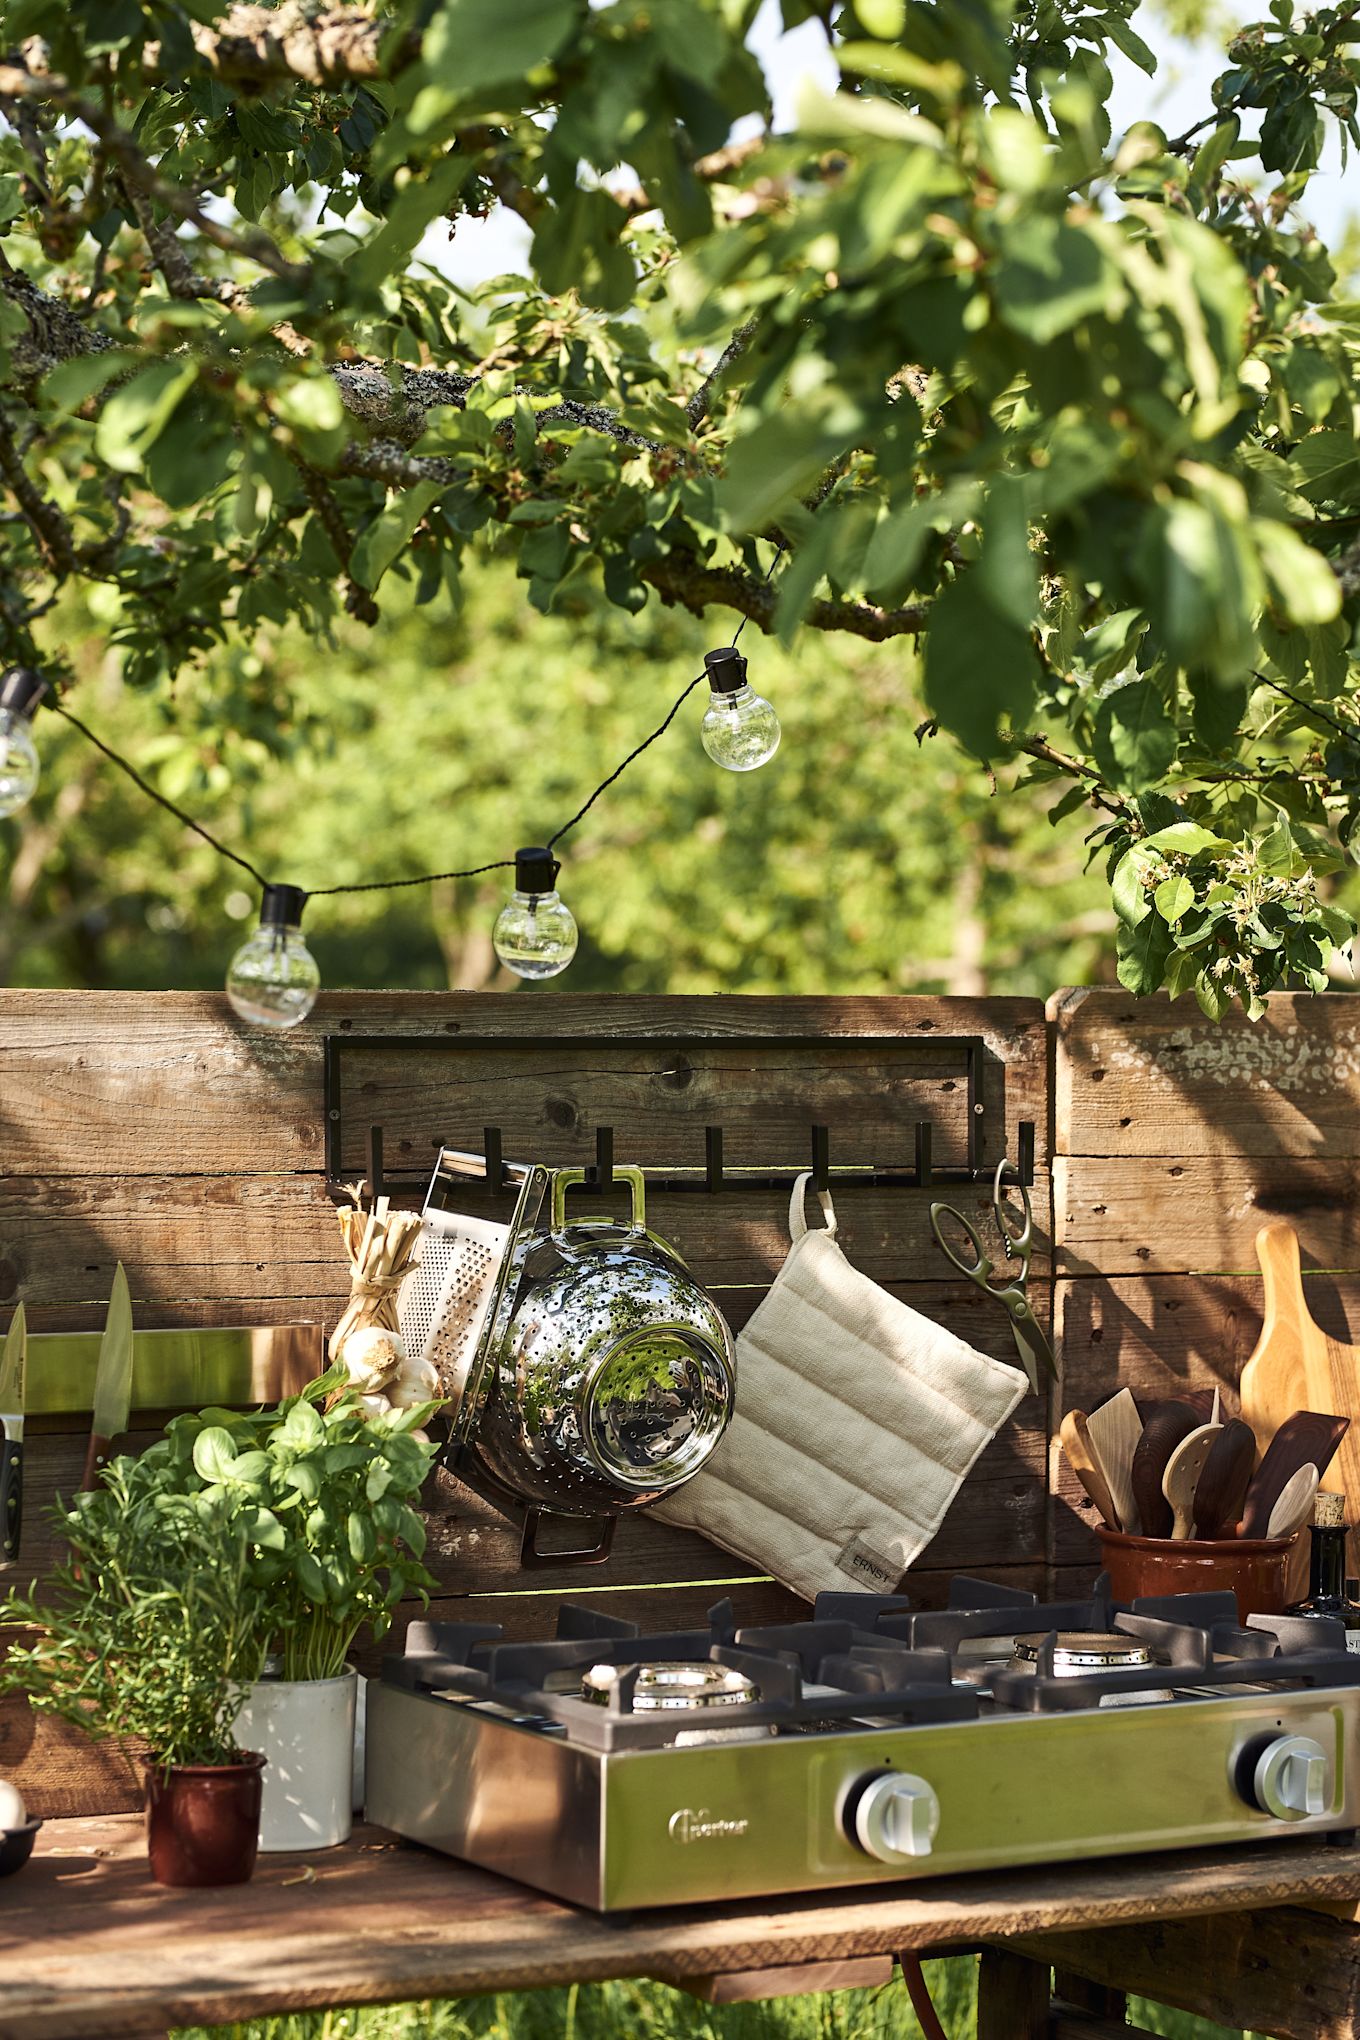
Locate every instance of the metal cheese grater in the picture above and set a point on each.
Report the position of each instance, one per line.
(446, 1303)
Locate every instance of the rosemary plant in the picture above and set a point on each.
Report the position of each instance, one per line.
(155, 1625)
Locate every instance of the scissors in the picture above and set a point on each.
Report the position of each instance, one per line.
(1018, 1240)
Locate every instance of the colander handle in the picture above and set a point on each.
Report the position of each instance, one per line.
(563, 1179)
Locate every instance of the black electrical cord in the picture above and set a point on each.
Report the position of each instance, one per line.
(424, 877)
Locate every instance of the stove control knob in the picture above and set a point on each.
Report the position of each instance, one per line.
(1290, 1778)
(895, 1817)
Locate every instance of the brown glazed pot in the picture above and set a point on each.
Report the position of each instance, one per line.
(1256, 1569)
(203, 1821)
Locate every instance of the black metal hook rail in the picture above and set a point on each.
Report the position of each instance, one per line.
(716, 1174)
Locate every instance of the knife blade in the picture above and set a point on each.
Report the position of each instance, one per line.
(113, 1381)
(180, 1367)
(12, 1442)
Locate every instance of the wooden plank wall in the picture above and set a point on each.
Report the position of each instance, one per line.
(1174, 1141)
(153, 1129)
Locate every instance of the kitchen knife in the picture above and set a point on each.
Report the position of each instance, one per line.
(112, 1383)
(12, 1442)
(185, 1367)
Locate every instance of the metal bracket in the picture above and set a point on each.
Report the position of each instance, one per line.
(715, 1175)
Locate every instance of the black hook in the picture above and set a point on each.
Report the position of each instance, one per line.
(713, 1157)
(602, 1175)
(821, 1158)
(495, 1158)
(1025, 1139)
(925, 1134)
(373, 1186)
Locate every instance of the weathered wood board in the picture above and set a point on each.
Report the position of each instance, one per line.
(152, 1129)
(94, 1950)
(1175, 1141)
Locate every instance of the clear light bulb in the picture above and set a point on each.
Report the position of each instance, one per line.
(740, 729)
(20, 692)
(273, 980)
(535, 931)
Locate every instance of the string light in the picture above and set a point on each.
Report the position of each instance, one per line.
(273, 979)
(740, 730)
(535, 931)
(20, 692)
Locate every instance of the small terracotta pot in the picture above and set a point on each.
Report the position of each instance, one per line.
(1256, 1569)
(203, 1821)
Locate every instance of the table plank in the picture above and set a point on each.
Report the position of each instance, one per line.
(90, 1947)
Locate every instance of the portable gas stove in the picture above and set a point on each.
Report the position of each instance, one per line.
(872, 1742)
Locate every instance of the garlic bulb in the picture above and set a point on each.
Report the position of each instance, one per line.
(373, 1356)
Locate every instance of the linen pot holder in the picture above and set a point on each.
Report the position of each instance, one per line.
(856, 1422)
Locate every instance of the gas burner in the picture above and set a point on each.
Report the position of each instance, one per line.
(619, 1768)
(1078, 1651)
(657, 1687)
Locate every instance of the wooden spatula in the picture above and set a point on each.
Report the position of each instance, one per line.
(1297, 1366)
(1306, 1438)
(1295, 1505)
(1181, 1477)
(1114, 1430)
(1166, 1426)
(1085, 1463)
(1222, 1487)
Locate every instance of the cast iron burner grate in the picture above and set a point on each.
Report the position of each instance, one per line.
(868, 1659)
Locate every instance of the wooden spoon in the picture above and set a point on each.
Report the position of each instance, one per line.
(1114, 1430)
(1295, 1505)
(1084, 1461)
(1181, 1477)
(1306, 1438)
(1222, 1487)
(1167, 1425)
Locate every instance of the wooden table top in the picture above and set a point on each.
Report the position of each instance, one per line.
(90, 1946)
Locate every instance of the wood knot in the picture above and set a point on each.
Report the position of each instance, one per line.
(562, 1112)
(679, 1076)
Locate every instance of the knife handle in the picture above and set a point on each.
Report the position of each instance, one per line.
(11, 1495)
(97, 1457)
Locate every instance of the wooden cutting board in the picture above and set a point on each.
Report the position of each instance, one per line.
(1298, 1366)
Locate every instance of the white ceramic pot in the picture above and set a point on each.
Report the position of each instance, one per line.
(305, 1730)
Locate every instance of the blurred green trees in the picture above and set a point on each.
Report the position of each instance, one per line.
(865, 858)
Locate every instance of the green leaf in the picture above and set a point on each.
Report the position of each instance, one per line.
(11, 199)
(310, 404)
(1007, 571)
(1133, 46)
(1143, 954)
(1330, 467)
(1128, 894)
(1051, 276)
(1304, 584)
(136, 415)
(1134, 740)
(1174, 898)
(471, 44)
(978, 668)
(1188, 838)
(391, 532)
(214, 1454)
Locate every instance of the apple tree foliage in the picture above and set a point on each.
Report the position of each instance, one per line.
(944, 361)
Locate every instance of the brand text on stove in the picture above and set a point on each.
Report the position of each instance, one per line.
(697, 1824)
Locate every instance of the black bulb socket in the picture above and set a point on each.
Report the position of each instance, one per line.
(726, 669)
(536, 870)
(21, 690)
(282, 906)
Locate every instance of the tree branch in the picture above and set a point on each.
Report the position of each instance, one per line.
(49, 527)
(358, 601)
(696, 410)
(16, 82)
(681, 577)
(257, 45)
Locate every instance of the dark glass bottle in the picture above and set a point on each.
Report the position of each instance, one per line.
(1330, 1593)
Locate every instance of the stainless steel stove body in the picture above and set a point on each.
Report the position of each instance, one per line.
(871, 1743)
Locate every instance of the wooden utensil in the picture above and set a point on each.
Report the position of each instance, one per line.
(1074, 1432)
(1295, 1505)
(1166, 1426)
(1114, 1430)
(1308, 1437)
(1297, 1366)
(1181, 1477)
(1222, 1487)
